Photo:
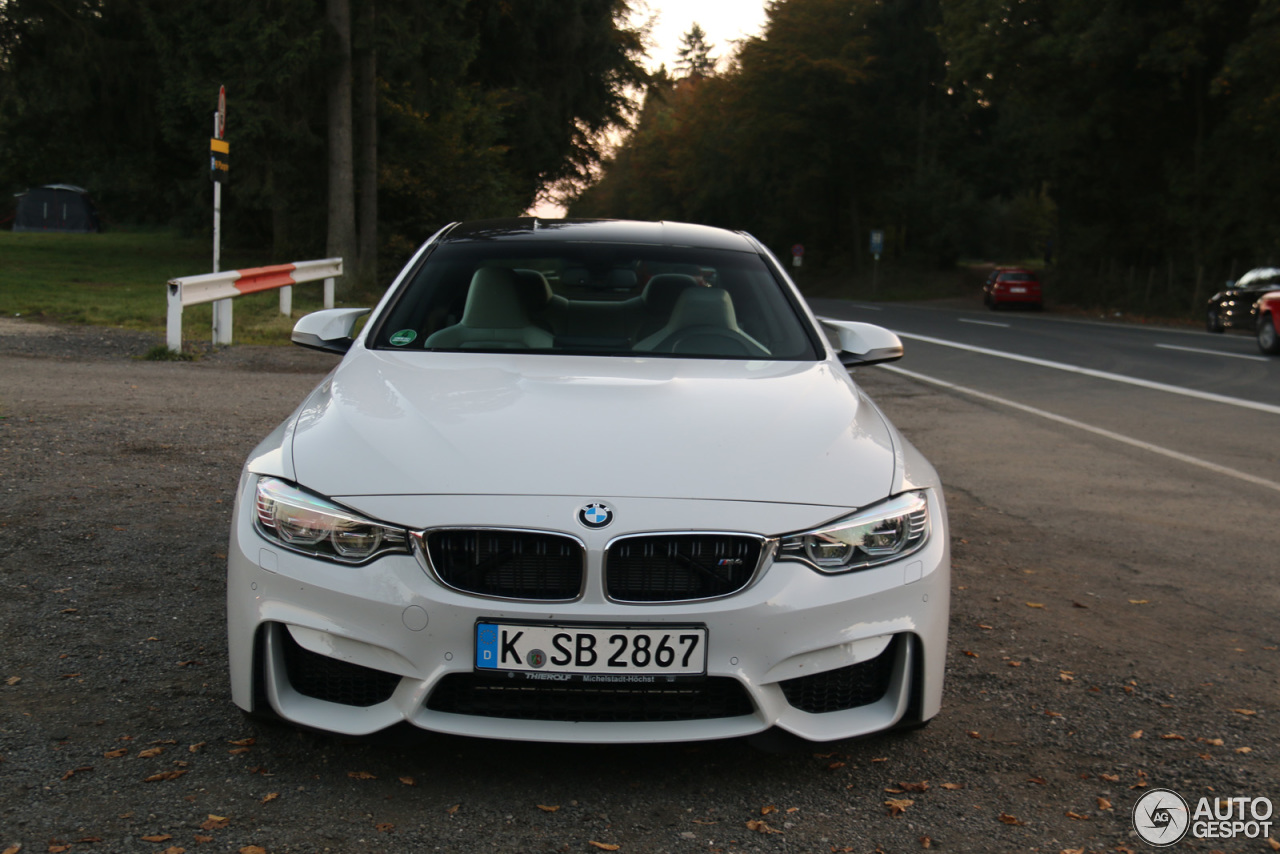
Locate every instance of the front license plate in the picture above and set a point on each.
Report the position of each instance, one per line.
(582, 651)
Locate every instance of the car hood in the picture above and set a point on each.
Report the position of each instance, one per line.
(598, 427)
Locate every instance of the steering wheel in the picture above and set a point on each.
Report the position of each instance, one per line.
(710, 341)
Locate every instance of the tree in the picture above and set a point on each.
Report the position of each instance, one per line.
(694, 56)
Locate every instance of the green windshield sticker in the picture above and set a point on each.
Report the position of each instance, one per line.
(403, 337)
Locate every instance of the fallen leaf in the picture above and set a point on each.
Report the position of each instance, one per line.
(215, 822)
(174, 849)
(162, 837)
(1139, 602)
(361, 775)
(408, 781)
(1039, 781)
(164, 775)
(384, 827)
(1071, 851)
(195, 748)
(985, 626)
(835, 765)
(1275, 846)
(150, 752)
(922, 786)
(1215, 742)
(271, 796)
(116, 754)
(57, 847)
(1035, 604)
(1050, 714)
(761, 826)
(1066, 676)
(970, 653)
(1015, 663)
(1079, 605)
(244, 742)
(926, 842)
(768, 809)
(12, 680)
(1075, 816)
(952, 787)
(1104, 804)
(1008, 819)
(201, 839)
(1244, 711)
(604, 846)
(974, 734)
(236, 751)
(71, 773)
(1110, 778)
(881, 759)
(1137, 733)
(252, 849)
(1244, 750)
(546, 808)
(453, 809)
(897, 806)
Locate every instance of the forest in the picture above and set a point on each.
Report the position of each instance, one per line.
(1125, 145)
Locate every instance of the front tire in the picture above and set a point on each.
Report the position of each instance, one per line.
(1268, 340)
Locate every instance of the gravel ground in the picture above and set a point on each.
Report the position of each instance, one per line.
(117, 733)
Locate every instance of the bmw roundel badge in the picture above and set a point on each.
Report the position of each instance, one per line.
(595, 515)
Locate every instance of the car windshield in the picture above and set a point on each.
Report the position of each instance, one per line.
(1017, 277)
(596, 298)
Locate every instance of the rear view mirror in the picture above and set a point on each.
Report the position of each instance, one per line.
(862, 343)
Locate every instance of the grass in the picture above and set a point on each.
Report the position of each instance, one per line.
(118, 279)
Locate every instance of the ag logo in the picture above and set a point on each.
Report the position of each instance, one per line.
(595, 515)
(1161, 817)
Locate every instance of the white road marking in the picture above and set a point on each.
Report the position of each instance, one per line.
(868, 307)
(1102, 375)
(983, 322)
(1213, 352)
(1098, 431)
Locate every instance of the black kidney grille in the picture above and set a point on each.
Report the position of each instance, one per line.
(482, 695)
(510, 564)
(324, 678)
(844, 688)
(676, 567)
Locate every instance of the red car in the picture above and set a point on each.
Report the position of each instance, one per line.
(1012, 286)
(1268, 325)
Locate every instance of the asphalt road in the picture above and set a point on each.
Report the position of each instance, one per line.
(1211, 398)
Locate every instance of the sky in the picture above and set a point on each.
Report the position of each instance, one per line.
(722, 20)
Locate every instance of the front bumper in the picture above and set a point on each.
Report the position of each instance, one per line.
(357, 649)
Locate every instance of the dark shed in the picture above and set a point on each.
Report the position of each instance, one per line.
(56, 207)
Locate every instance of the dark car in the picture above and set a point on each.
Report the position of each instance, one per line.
(1267, 311)
(1012, 286)
(1235, 306)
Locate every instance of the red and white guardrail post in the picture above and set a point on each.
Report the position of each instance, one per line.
(209, 287)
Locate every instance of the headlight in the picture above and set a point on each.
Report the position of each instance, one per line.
(879, 534)
(307, 523)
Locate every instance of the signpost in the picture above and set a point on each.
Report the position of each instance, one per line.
(877, 248)
(219, 168)
(797, 254)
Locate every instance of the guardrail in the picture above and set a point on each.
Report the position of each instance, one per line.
(223, 287)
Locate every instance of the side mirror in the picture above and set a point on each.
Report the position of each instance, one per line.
(330, 330)
(862, 343)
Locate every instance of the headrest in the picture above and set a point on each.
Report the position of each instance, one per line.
(704, 307)
(493, 301)
(662, 290)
